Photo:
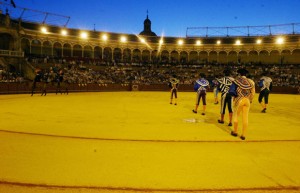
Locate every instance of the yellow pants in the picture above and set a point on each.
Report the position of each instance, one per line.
(242, 106)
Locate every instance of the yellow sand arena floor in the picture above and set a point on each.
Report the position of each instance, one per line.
(137, 142)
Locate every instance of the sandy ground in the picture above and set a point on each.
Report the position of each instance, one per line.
(137, 142)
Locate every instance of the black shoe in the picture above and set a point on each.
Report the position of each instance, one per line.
(219, 121)
(194, 111)
(216, 103)
(175, 104)
(170, 103)
(202, 113)
(230, 124)
(234, 134)
(243, 137)
(264, 110)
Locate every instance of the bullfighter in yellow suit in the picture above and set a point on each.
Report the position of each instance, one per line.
(243, 90)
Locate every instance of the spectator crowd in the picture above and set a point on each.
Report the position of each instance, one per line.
(86, 73)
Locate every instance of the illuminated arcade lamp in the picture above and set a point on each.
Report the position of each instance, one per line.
(44, 30)
(161, 41)
(258, 41)
(180, 42)
(198, 42)
(83, 35)
(104, 37)
(280, 40)
(143, 40)
(238, 42)
(123, 39)
(219, 42)
(64, 32)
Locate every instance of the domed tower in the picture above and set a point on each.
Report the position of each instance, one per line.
(147, 28)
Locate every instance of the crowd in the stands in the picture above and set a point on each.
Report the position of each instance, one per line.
(86, 73)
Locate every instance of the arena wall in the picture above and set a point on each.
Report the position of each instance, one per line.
(24, 88)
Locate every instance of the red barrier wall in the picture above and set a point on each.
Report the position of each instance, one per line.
(16, 88)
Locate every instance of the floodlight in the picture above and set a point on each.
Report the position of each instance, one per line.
(180, 42)
(84, 35)
(123, 39)
(280, 40)
(44, 30)
(258, 41)
(64, 32)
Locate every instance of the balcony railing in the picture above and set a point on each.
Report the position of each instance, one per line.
(11, 53)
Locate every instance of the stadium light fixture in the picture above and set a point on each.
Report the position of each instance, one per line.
(83, 35)
(198, 42)
(143, 40)
(104, 37)
(280, 40)
(44, 30)
(64, 32)
(219, 42)
(161, 41)
(258, 41)
(123, 39)
(238, 42)
(180, 42)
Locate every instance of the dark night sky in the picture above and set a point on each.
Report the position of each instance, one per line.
(168, 17)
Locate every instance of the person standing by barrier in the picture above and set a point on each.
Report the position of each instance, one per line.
(36, 81)
(265, 85)
(60, 78)
(215, 85)
(226, 98)
(243, 90)
(200, 86)
(45, 80)
(173, 85)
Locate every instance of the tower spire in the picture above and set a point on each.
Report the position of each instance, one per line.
(147, 27)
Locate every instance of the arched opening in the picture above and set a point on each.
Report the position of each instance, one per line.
(164, 57)
(183, 57)
(97, 52)
(107, 54)
(117, 55)
(88, 52)
(36, 47)
(233, 57)
(127, 55)
(213, 57)
(243, 57)
(275, 57)
(286, 56)
(295, 57)
(47, 48)
(146, 56)
(57, 49)
(174, 57)
(193, 59)
(253, 57)
(203, 57)
(154, 56)
(223, 57)
(67, 50)
(77, 51)
(25, 46)
(136, 56)
(264, 57)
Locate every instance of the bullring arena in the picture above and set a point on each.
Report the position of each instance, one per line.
(137, 142)
(116, 131)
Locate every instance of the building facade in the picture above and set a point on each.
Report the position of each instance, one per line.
(34, 39)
